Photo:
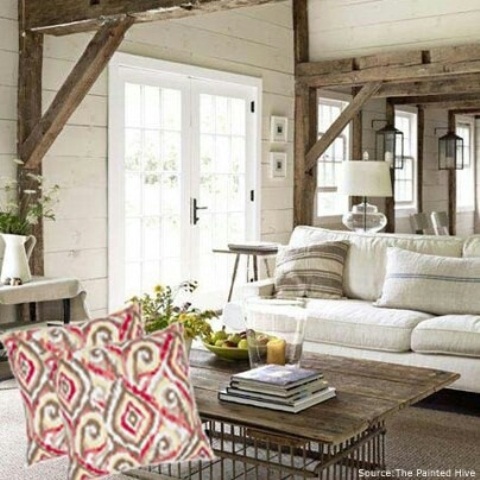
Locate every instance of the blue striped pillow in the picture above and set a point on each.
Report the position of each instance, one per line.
(430, 283)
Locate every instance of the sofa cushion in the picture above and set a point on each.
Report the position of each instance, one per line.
(471, 246)
(314, 271)
(450, 335)
(366, 259)
(356, 323)
(430, 283)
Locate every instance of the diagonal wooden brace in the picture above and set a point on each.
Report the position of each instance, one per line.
(340, 123)
(85, 73)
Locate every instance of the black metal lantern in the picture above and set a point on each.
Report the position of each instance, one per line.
(389, 145)
(450, 152)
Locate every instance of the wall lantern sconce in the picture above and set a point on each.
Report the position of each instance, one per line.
(389, 145)
(450, 151)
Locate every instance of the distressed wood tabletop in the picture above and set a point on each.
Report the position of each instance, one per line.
(368, 392)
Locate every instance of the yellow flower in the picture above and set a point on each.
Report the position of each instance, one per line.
(158, 289)
(182, 317)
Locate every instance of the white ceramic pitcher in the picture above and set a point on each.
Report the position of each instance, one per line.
(15, 258)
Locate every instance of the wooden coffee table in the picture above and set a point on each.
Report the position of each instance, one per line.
(331, 440)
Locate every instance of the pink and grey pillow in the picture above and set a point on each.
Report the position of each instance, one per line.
(129, 405)
(34, 356)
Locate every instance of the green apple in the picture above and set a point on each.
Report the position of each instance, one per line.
(219, 335)
(243, 344)
(234, 338)
(219, 343)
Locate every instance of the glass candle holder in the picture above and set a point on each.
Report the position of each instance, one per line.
(275, 331)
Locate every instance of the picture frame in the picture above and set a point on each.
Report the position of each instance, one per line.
(278, 164)
(279, 129)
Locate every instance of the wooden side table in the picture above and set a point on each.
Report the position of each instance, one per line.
(251, 251)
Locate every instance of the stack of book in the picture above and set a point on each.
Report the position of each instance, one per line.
(278, 388)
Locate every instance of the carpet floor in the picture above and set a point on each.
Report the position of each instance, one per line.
(418, 438)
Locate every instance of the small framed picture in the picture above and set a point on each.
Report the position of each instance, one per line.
(278, 161)
(279, 129)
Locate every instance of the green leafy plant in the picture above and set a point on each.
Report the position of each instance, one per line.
(162, 308)
(25, 203)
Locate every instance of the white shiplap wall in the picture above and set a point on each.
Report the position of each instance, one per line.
(253, 41)
(345, 28)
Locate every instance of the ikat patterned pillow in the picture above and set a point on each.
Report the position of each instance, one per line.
(34, 356)
(129, 405)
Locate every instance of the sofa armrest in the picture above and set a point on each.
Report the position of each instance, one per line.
(261, 288)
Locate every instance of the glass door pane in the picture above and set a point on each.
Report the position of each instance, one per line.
(153, 193)
(220, 184)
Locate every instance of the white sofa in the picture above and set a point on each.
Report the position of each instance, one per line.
(354, 327)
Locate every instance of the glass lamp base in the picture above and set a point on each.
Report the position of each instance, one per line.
(364, 218)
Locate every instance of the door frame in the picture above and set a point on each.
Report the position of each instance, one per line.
(121, 67)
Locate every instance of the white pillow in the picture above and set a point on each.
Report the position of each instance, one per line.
(430, 283)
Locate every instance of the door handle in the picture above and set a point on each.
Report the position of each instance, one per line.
(195, 209)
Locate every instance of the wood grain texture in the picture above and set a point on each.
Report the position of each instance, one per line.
(420, 156)
(357, 142)
(306, 106)
(439, 100)
(396, 67)
(340, 123)
(367, 392)
(390, 201)
(87, 70)
(73, 16)
(29, 107)
(452, 185)
(456, 85)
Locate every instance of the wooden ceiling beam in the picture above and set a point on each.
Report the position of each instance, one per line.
(397, 67)
(85, 73)
(456, 85)
(466, 111)
(63, 17)
(367, 92)
(437, 99)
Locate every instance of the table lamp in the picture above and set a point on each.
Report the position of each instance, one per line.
(365, 178)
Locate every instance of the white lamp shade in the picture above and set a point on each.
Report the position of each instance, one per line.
(364, 178)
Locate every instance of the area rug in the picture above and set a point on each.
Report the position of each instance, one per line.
(429, 443)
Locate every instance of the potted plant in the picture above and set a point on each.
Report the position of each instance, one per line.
(24, 204)
(168, 305)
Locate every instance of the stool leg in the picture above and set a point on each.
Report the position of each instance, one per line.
(66, 311)
(255, 268)
(33, 311)
(234, 275)
(267, 268)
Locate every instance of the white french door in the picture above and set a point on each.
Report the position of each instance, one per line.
(183, 175)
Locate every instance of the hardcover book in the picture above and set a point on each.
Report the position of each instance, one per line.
(314, 385)
(275, 398)
(276, 376)
(296, 407)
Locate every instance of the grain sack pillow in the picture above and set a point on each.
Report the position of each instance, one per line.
(430, 283)
(34, 356)
(129, 405)
(315, 271)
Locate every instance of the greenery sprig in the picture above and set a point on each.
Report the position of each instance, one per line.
(163, 308)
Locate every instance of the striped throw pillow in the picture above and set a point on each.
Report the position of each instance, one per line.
(431, 283)
(315, 271)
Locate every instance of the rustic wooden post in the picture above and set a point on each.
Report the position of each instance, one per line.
(29, 104)
(452, 185)
(390, 201)
(306, 130)
(357, 143)
(420, 147)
